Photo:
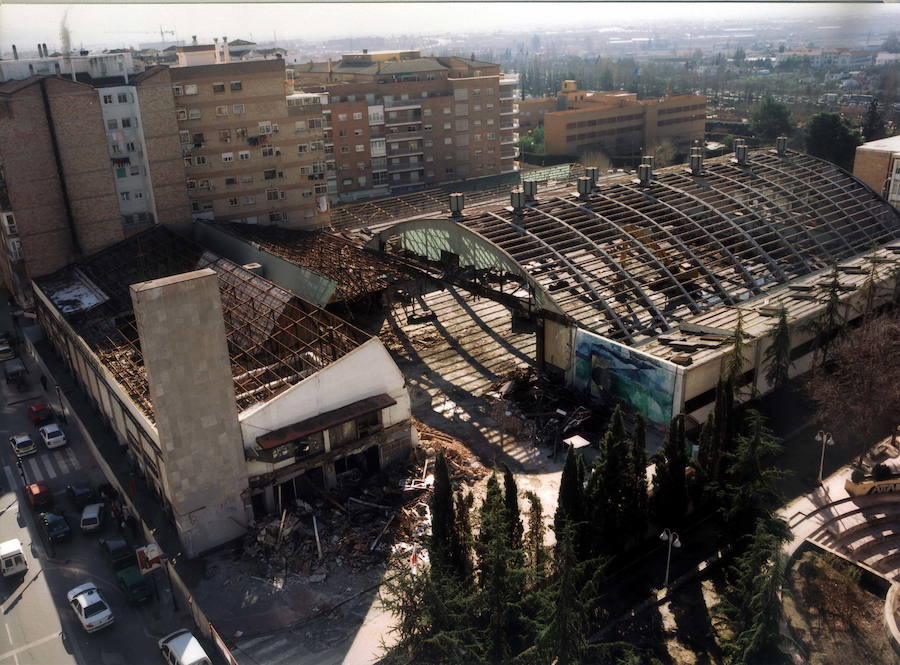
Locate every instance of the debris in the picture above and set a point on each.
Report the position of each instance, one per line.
(381, 533)
(318, 543)
(369, 504)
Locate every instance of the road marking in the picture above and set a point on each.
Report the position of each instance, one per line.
(60, 457)
(51, 472)
(73, 460)
(10, 478)
(29, 646)
(35, 471)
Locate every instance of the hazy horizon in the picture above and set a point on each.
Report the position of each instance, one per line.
(119, 25)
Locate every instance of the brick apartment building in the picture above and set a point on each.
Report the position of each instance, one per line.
(396, 121)
(616, 123)
(877, 163)
(250, 154)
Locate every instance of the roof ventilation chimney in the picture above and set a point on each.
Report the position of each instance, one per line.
(645, 174)
(584, 187)
(193, 40)
(740, 152)
(530, 188)
(517, 200)
(591, 172)
(697, 161)
(457, 203)
(226, 52)
(781, 145)
(40, 52)
(15, 53)
(46, 52)
(650, 160)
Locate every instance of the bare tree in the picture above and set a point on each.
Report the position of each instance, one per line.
(857, 391)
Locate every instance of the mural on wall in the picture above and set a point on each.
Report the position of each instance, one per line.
(612, 371)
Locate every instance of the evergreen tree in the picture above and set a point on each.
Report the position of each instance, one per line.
(734, 359)
(615, 479)
(637, 503)
(778, 354)
(463, 546)
(511, 500)
(829, 321)
(443, 534)
(770, 118)
(570, 502)
(535, 551)
(829, 136)
(669, 482)
(873, 123)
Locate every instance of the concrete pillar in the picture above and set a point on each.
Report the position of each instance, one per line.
(182, 334)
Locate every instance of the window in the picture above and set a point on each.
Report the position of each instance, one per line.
(246, 178)
(15, 249)
(448, 125)
(233, 201)
(357, 132)
(272, 195)
(126, 196)
(190, 89)
(427, 128)
(476, 138)
(112, 123)
(270, 174)
(177, 90)
(227, 156)
(115, 149)
(449, 170)
(489, 92)
(491, 136)
(361, 181)
(303, 147)
(429, 143)
(243, 155)
(225, 135)
(181, 114)
(342, 117)
(121, 172)
(360, 147)
(395, 176)
(9, 224)
(235, 86)
(136, 170)
(489, 107)
(357, 116)
(448, 140)
(184, 136)
(345, 148)
(231, 181)
(476, 123)
(446, 110)
(490, 121)
(237, 109)
(268, 151)
(265, 127)
(107, 99)
(123, 98)
(314, 123)
(317, 146)
(347, 181)
(218, 87)
(194, 114)
(300, 126)
(277, 217)
(426, 113)
(249, 200)
(130, 146)
(200, 160)
(476, 108)
(221, 111)
(343, 132)
(320, 188)
(241, 132)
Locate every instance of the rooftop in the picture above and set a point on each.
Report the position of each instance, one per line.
(890, 144)
(275, 339)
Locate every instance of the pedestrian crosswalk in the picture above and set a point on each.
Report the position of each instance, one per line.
(47, 465)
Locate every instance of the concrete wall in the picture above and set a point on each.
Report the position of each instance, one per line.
(182, 333)
(873, 167)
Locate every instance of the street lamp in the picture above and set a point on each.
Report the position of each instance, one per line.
(825, 439)
(672, 538)
(62, 412)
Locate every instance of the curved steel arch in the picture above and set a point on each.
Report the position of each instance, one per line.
(784, 241)
(576, 273)
(508, 262)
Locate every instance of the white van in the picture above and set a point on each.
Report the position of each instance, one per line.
(92, 517)
(12, 560)
(182, 648)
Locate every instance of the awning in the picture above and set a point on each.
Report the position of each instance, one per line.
(325, 420)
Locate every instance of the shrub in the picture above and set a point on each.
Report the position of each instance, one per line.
(881, 472)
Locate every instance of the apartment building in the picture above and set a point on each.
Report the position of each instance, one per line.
(617, 123)
(396, 121)
(75, 64)
(252, 152)
(877, 163)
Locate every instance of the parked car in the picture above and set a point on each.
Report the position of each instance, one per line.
(182, 648)
(7, 352)
(118, 553)
(56, 527)
(15, 372)
(53, 436)
(40, 414)
(12, 559)
(80, 495)
(38, 495)
(90, 608)
(22, 444)
(92, 517)
(133, 585)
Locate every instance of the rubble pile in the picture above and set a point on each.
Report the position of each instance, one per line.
(463, 464)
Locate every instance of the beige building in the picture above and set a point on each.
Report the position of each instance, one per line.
(616, 123)
(877, 163)
(248, 155)
(396, 121)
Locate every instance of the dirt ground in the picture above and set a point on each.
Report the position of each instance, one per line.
(833, 618)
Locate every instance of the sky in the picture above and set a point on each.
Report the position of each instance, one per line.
(116, 25)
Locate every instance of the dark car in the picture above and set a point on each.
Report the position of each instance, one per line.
(40, 414)
(118, 553)
(80, 495)
(133, 585)
(56, 527)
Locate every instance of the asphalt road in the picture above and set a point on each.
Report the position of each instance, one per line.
(39, 626)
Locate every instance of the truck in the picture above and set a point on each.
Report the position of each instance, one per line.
(133, 585)
(12, 559)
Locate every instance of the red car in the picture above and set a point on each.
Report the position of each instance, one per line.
(39, 495)
(39, 414)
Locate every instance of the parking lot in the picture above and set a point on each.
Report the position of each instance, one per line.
(40, 626)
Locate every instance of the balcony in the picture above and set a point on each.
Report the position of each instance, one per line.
(403, 104)
(510, 124)
(509, 154)
(403, 168)
(509, 110)
(398, 123)
(509, 139)
(403, 153)
(403, 136)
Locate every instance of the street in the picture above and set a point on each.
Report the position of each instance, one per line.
(39, 625)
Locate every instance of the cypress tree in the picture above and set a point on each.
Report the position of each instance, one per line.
(461, 552)
(734, 359)
(669, 482)
(570, 501)
(615, 480)
(637, 515)
(536, 552)
(778, 355)
(511, 499)
(443, 536)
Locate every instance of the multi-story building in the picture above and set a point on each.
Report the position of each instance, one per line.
(82, 63)
(251, 152)
(877, 163)
(396, 121)
(617, 123)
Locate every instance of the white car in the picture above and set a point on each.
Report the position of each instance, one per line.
(22, 445)
(89, 606)
(53, 436)
(182, 648)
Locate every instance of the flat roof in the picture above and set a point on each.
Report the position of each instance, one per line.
(890, 144)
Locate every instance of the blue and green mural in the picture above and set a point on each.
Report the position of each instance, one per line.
(611, 371)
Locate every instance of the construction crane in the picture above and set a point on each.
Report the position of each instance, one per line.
(162, 33)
